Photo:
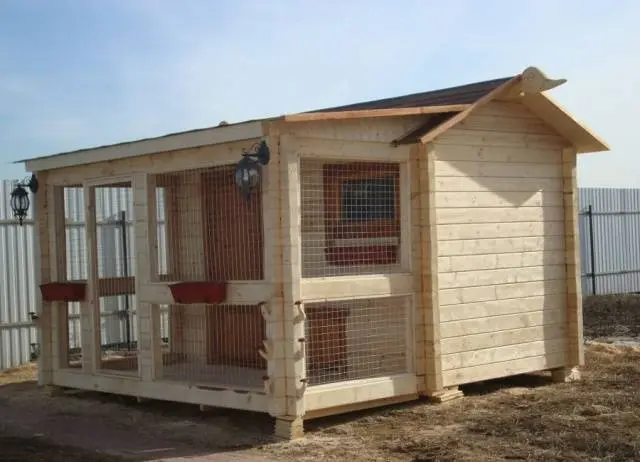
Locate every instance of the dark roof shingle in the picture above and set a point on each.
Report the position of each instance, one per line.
(463, 94)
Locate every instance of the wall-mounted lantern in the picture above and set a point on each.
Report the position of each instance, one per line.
(248, 168)
(20, 198)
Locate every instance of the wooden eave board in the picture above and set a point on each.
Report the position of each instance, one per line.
(171, 142)
(558, 118)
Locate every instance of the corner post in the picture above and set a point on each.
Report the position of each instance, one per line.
(416, 251)
(290, 425)
(273, 310)
(429, 270)
(58, 272)
(573, 305)
(42, 273)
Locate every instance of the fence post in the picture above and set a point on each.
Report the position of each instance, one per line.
(592, 250)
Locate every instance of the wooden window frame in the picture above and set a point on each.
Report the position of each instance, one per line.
(376, 231)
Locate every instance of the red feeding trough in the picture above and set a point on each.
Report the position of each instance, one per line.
(63, 291)
(199, 292)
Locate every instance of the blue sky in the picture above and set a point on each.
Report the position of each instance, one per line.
(82, 73)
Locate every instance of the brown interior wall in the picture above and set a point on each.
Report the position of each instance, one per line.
(232, 231)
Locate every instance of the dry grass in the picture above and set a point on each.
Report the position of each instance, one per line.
(519, 418)
(612, 316)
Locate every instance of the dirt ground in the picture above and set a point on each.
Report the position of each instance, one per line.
(521, 418)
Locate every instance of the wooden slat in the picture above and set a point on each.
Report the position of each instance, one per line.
(492, 170)
(482, 278)
(459, 312)
(501, 292)
(497, 184)
(500, 323)
(497, 230)
(500, 245)
(502, 353)
(488, 153)
(503, 369)
(500, 261)
(503, 338)
(486, 215)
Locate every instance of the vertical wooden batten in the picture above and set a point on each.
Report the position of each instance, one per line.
(273, 310)
(43, 260)
(144, 207)
(58, 259)
(419, 348)
(290, 426)
(90, 308)
(429, 270)
(574, 347)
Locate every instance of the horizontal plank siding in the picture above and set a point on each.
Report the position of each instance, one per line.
(497, 184)
(501, 250)
(487, 340)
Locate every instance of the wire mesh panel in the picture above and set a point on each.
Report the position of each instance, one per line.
(114, 239)
(76, 269)
(357, 339)
(350, 217)
(215, 344)
(206, 229)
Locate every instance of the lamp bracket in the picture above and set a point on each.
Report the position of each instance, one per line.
(258, 152)
(31, 183)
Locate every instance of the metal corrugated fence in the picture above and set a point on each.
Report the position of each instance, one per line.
(17, 283)
(18, 289)
(610, 240)
(614, 225)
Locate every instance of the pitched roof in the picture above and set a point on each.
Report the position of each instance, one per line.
(462, 94)
(442, 108)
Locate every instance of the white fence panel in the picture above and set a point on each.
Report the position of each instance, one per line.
(18, 288)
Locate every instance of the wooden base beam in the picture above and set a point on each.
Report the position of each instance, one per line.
(319, 413)
(448, 394)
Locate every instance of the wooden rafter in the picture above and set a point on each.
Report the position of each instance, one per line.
(369, 113)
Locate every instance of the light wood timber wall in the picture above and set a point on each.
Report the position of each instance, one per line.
(501, 246)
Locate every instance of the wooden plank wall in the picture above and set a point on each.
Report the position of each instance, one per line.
(500, 227)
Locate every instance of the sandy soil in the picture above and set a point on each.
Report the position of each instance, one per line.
(520, 418)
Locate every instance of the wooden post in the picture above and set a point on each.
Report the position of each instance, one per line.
(573, 306)
(90, 308)
(43, 275)
(290, 426)
(273, 311)
(149, 341)
(429, 286)
(416, 251)
(58, 259)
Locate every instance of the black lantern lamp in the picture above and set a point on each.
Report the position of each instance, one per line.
(20, 198)
(248, 169)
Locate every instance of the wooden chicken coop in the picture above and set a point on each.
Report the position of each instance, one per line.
(319, 262)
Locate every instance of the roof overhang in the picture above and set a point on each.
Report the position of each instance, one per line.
(527, 88)
(183, 140)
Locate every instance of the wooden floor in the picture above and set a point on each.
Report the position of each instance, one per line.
(215, 375)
